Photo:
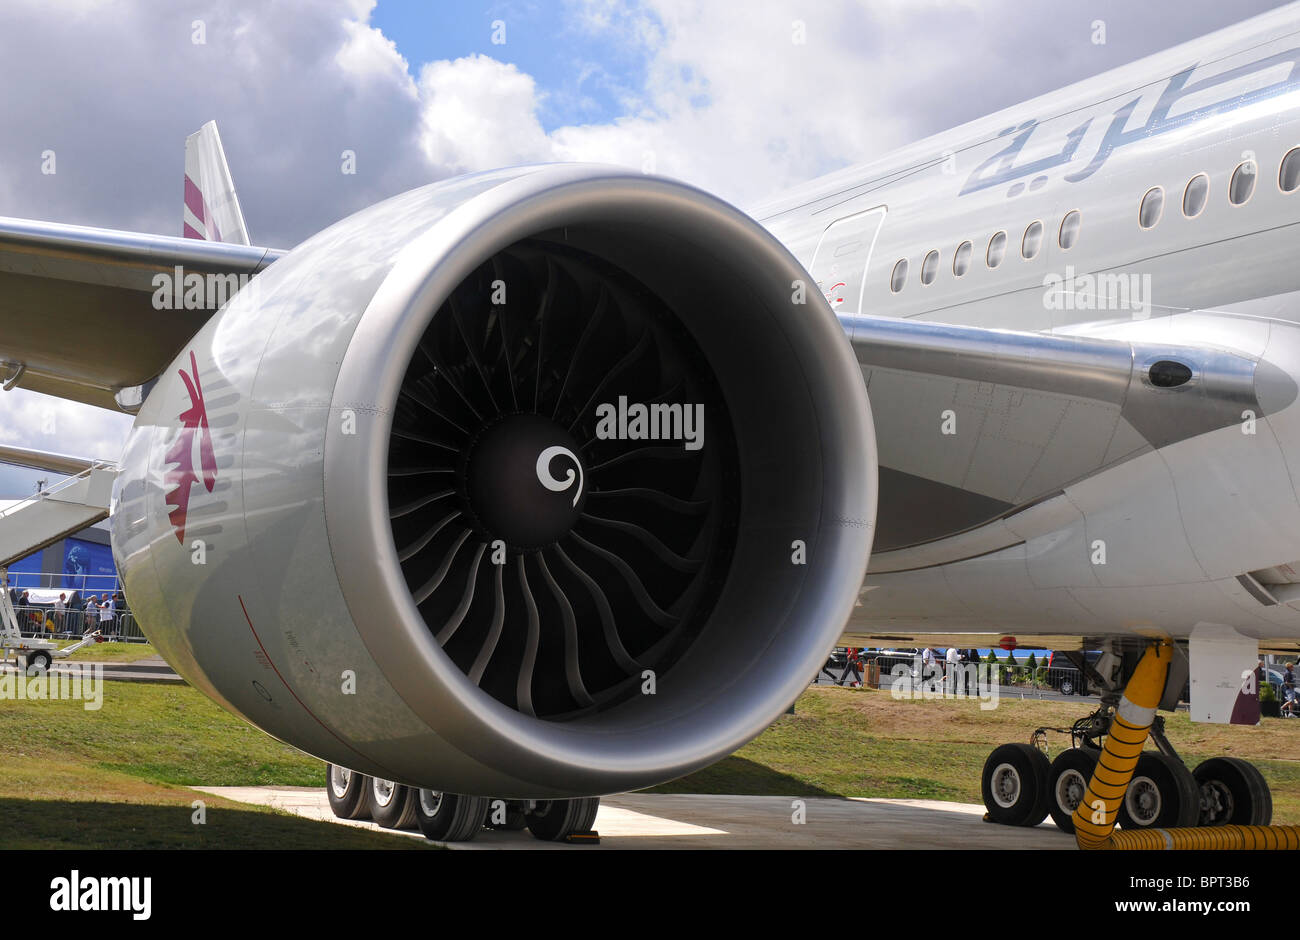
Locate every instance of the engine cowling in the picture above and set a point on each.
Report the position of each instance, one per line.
(547, 482)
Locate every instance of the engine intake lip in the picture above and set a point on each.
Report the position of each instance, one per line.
(805, 445)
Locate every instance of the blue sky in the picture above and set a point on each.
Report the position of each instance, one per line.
(587, 75)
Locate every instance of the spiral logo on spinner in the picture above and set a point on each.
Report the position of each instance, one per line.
(551, 482)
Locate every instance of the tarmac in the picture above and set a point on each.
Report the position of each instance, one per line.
(679, 821)
(149, 669)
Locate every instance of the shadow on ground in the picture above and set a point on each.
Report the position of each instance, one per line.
(738, 775)
(63, 824)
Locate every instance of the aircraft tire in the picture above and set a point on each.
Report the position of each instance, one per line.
(1014, 785)
(1163, 794)
(391, 804)
(556, 820)
(448, 817)
(1233, 793)
(348, 791)
(1066, 784)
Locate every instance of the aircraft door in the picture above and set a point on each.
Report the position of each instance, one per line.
(839, 265)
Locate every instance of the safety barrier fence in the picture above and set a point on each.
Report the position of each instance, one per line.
(1018, 677)
(45, 620)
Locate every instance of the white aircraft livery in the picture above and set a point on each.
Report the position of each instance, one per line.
(429, 495)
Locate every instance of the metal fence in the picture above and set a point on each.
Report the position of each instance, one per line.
(1062, 677)
(43, 620)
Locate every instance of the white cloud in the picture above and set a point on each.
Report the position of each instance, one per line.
(367, 56)
(478, 113)
(44, 423)
(730, 101)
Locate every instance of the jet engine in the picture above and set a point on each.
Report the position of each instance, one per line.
(540, 483)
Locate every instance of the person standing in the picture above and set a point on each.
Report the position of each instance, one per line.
(106, 614)
(852, 659)
(1289, 692)
(952, 662)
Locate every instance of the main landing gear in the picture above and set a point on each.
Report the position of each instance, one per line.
(454, 817)
(1022, 788)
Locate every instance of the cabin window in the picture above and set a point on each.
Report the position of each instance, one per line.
(997, 249)
(1069, 233)
(1196, 195)
(1288, 176)
(1242, 184)
(961, 260)
(1153, 203)
(930, 267)
(899, 277)
(1033, 239)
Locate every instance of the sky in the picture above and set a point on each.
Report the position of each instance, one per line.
(740, 97)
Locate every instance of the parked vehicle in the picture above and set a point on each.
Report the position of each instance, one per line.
(1064, 676)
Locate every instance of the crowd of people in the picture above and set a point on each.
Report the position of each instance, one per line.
(70, 613)
(855, 659)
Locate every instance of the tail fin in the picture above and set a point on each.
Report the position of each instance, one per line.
(211, 207)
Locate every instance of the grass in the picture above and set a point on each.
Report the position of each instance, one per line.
(111, 652)
(863, 742)
(118, 777)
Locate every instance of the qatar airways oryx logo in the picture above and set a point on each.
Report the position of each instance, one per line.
(653, 422)
(181, 472)
(553, 483)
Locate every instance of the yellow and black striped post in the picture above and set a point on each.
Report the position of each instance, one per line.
(1094, 819)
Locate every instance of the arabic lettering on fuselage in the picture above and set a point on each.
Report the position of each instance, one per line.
(1001, 168)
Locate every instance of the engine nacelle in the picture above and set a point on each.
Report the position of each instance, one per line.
(547, 482)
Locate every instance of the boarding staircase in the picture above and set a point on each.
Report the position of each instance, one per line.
(49, 515)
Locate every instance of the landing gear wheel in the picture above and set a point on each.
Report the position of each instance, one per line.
(1067, 783)
(1162, 794)
(1233, 793)
(390, 804)
(38, 662)
(349, 792)
(556, 820)
(448, 817)
(1014, 785)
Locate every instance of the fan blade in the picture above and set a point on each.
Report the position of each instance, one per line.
(418, 545)
(632, 356)
(466, 599)
(473, 352)
(524, 684)
(408, 508)
(498, 269)
(641, 453)
(572, 669)
(601, 302)
(441, 372)
(544, 309)
(643, 599)
(432, 584)
(494, 632)
(649, 540)
(690, 507)
(610, 629)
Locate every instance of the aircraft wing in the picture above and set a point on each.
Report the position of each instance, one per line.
(976, 425)
(77, 313)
